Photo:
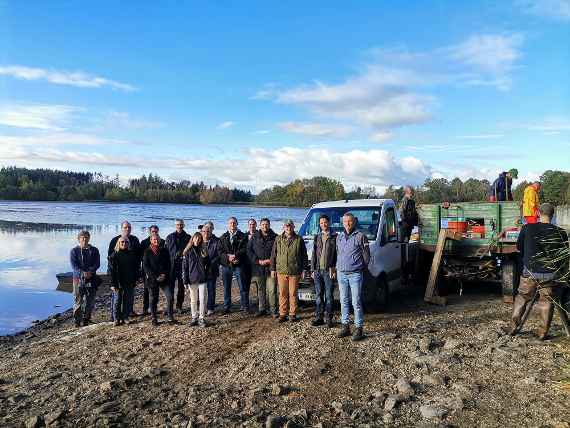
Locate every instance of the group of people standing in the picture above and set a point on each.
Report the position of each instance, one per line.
(275, 263)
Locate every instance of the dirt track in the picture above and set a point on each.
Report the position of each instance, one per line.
(420, 365)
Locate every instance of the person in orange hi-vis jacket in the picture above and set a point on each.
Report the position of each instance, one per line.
(530, 203)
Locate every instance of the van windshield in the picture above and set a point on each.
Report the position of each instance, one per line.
(367, 219)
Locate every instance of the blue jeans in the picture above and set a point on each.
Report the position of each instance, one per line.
(211, 286)
(324, 291)
(350, 287)
(227, 275)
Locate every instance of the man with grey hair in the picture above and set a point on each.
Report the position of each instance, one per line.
(353, 255)
(233, 256)
(542, 247)
(175, 243)
(211, 244)
(85, 261)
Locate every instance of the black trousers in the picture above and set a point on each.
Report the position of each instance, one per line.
(153, 294)
(177, 281)
(146, 300)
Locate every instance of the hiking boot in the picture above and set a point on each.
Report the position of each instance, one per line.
(194, 322)
(317, 322)
(154, 322)
(330, 323)
(344, 331)
(226, 311)
(260, 314)
(294, 318)
(275, 315)
(202, 323)
(117, 323)
(282, 319)
(358, 334)
(171, 320)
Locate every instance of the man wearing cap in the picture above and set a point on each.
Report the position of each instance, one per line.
(288, 262)
(542, 247)
(502, 186)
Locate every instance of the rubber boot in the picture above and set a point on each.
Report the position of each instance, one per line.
(545, 312)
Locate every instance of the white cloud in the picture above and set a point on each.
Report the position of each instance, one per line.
(262, 132)
(490, 57)
(554, 9)
(78, 79)
(381, 136)
(58, 139)
(264, 167)
(36, 116)
(226, 125)
(123, 120)
(316, 129)
(480, 137)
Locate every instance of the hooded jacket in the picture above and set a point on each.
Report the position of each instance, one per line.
(530, 201)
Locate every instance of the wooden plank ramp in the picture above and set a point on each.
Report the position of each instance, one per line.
(431, 289)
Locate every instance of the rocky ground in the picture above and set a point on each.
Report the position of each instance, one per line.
(420, 365)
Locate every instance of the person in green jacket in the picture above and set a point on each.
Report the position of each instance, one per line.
(289, 263)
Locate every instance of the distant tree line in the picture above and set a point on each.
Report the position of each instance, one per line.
(53, 185)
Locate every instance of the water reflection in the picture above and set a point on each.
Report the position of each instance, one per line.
(36, 237)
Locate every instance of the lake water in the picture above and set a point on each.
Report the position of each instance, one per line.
(36, 237)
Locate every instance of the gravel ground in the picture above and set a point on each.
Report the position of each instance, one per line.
(420, 365)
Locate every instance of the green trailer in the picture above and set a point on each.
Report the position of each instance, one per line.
(487, 248)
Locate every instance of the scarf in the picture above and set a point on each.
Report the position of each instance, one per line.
(155, 249)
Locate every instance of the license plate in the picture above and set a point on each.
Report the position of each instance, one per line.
(307, 295)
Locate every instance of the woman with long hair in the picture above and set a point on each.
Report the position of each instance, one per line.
(195, 266)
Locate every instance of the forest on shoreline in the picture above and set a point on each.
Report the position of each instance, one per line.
(54, 185)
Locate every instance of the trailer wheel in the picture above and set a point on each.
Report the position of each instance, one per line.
(376, 296)
(508, 280)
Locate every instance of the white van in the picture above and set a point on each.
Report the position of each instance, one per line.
(378, 220)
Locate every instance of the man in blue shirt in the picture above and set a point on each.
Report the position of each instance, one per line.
(353, 255)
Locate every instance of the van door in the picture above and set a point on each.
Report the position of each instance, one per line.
(390, 252)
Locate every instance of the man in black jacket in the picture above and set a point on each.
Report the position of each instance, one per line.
(323, 267)
(175, 243)
(145, 243)
(233, 254)
(259, 252)
(543, 248)
(134, 246)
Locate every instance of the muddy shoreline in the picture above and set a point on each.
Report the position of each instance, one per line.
(420, 365)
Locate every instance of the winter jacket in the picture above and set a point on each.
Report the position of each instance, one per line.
(259, 248)
(530, 201)
(175, 243)
(213, 249)
(145, 243)
(353, 252)
(195, 266)
(238, 248)
(84, 260)
(289, 255)
(155, 265)
(134, 245)
(124, 268)
(329, 251)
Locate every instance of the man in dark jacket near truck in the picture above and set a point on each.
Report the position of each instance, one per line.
(542, 247)
(85, 261)
(233, 255)
(323, 268)
(259, 252)
(175, 243)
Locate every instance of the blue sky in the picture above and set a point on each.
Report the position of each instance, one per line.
(253, 94)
